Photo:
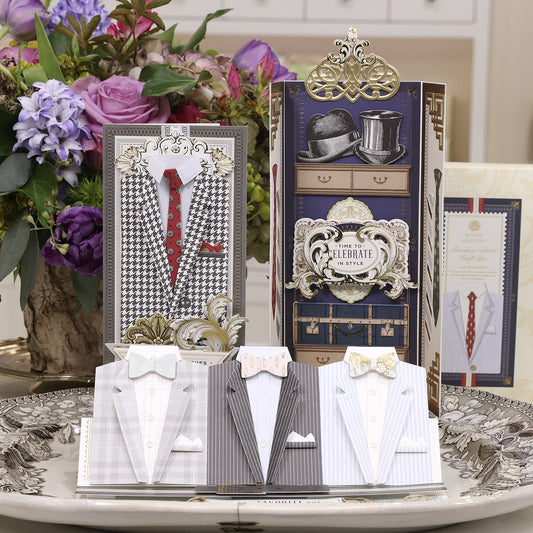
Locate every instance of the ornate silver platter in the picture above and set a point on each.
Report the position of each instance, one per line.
(486, 450)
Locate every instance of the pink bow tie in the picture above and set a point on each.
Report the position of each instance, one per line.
(252, 365)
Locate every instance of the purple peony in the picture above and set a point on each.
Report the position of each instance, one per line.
(77, 241)
(86, 9)
(18, 17)
(256, 54)
(51, 126)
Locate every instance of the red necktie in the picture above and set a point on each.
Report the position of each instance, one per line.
(174, 241)
(471, 324)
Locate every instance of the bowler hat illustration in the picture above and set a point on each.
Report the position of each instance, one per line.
(330, 137)
(380, 144)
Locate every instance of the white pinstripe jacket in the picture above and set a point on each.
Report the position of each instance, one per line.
(117, 455)
(405, 457)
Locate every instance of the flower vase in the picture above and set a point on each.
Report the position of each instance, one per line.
(63, 341)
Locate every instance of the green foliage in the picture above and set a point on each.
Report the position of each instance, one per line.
(14, 172)
(258, 216)
(161, 80)
(13, 245)
(42, 190)
(87, 192)
(47, 57)
(199, 34)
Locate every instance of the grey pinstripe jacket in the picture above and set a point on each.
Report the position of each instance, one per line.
(233, 456)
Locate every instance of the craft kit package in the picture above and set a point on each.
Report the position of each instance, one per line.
(356, 186)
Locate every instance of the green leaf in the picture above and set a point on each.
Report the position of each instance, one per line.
(29, 266)
(154, 4)
(60, 39)
(40, 188)
(47, 57)
(74, 23)
(167, 35)
(13, 245)
(199, 34)
(156, 19)
(160, 80)
(33, 74)
(14, 172)
(86, 290)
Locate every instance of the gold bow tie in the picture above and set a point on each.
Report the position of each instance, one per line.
(384, 364)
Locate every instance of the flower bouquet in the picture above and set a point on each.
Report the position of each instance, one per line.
(68, 71)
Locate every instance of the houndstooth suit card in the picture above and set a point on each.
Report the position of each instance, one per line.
(140, 300)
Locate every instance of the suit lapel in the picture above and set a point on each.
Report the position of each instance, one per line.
(125, 404)
(239, 404)
(151, 224)
(484, 320)
(289, 399)
(194, 232)
(455, 308)
(176, 409)
(351, 414)
(398, 402)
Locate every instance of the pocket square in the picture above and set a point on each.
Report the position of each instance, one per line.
(295, 440)
(207, 247)
(407, 445)
(491, 330)
(184, 444)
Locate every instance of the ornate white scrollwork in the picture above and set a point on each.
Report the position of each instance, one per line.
(352, 74)
(369, 253)
(214, 161)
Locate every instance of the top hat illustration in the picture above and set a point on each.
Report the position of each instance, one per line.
(329, 137)
(381, 130)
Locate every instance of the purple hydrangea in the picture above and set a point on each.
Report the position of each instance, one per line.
(77, 241)
(87, 8)
(51, 126)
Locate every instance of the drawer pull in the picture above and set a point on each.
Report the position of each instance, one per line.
(322, 360)
(324, 179)
(380, 180)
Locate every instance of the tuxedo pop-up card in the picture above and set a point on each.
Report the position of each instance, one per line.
(149, 426)
(376, 434)
(175, 210)
(356, 167)
(264, 424)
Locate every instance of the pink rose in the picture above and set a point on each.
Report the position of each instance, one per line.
(117, 100)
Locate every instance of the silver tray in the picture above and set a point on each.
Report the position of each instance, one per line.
(486, 450)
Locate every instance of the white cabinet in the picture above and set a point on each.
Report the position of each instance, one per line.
(267, 11)
(437, 11)
(347, 10)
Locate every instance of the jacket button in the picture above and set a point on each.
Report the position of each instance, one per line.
(185, 302)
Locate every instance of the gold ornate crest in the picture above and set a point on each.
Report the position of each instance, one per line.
(352, 74)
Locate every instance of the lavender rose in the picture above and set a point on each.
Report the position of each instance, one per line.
(257, 53)
(77, 241)
(117, 100)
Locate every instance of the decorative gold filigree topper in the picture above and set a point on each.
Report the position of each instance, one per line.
(352, 74)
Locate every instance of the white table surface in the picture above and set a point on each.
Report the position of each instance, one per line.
(516, 522)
